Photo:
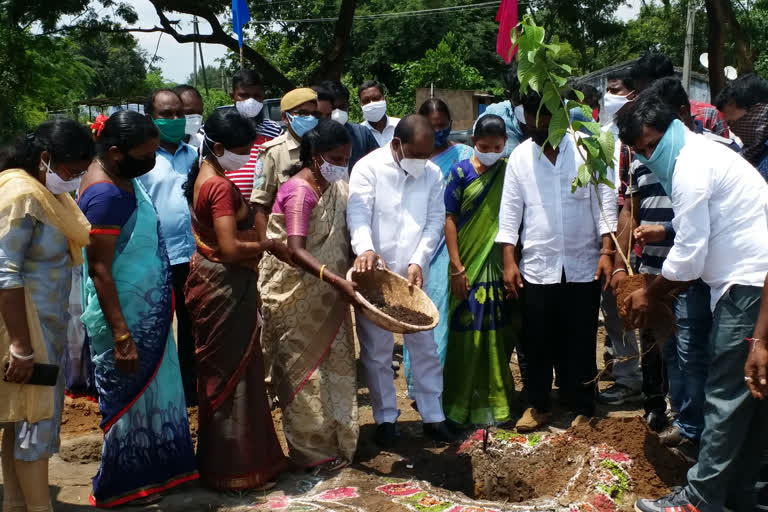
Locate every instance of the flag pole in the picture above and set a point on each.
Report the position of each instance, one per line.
(241, 57)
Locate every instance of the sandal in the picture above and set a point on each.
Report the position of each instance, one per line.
(334, 465)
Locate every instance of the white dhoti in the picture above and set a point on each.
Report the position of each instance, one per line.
(376, 345)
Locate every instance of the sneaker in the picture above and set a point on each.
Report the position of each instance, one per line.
(387, 434)
(620, 394)
(676, 501)
(532, 420)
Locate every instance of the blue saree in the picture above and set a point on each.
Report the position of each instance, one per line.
(147, 444)
(438, 284)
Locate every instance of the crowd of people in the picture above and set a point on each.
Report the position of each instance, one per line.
(243, 230)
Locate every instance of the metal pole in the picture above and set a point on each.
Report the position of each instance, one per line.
(241, 58)
(688, 55)
(194, 53)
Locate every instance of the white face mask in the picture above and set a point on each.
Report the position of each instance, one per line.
(374, 111)
(232, 161)
(612, 103)
(487, 159)
(194, 122)
(520, 114)
(249, 107)
(333, 172)
(56, 185)
(340, 116)
(412, 166)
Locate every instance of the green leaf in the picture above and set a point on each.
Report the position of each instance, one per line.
(608, 183)
(578, 94)
(591, 144)
(584, 175)
(565, 67)
(537, 34)
(607, 144)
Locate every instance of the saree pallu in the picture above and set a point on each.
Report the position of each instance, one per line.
(237, 446)
(307, 338)
(147, 445)
(438, 286)
(478, 383)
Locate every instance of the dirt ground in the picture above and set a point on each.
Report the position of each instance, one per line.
(416, 475)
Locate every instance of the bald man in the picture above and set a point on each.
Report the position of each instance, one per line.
(395, 216)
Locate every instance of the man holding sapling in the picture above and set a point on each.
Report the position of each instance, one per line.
(395, 216)
(721, 236)
(567, 249)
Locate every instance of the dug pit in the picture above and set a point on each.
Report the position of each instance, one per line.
(600, 466)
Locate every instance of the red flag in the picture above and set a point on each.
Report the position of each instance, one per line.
(507, 18)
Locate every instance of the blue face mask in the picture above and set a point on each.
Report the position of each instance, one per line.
(441, 137)
(301, 124)
(664, 157)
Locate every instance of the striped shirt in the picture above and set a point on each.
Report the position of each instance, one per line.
(655, 208)
(243, 177)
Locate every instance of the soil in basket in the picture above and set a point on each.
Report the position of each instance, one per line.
(398, 312)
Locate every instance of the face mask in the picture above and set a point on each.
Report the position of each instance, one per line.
(664, 157)
(441, 137)
(249, 108)
(56, 185)
(412, 166)
(375, 111)
(193, 123)
(612, 104)
(487, 159)
(171, 130)
(232, 161)
(520, 114)
(301, 124)
(340, 116)
(130, 167)
(333, 172)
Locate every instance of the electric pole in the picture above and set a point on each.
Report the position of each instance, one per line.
(688, 55)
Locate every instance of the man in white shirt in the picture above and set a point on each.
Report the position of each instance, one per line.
(395, 216)
(374, 105)
(721, 236)
(567, 248)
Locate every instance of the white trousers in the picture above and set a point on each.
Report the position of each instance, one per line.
(376, 345)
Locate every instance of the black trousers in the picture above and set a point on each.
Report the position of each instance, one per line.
(185, 339)
(560, 322)
(655, 385)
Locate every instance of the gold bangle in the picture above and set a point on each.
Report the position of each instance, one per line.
(123, 337)
(456, 274)
(321, 271)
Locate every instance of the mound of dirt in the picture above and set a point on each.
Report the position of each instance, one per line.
(603, 464)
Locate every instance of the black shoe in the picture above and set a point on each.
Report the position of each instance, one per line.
(387, 434)
(657, 420)
(671, 436)
(440, 432)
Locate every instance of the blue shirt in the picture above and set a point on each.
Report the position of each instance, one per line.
(164, 185)
(762, 164)
(514, 134)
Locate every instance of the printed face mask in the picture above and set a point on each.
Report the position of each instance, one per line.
(333, 172)
(249, 108)
(441, 137)
(193, 124)
(301, 124)
(340, 116)
(375, 111)
(56, 185)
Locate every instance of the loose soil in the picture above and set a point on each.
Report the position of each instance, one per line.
(661, 314)
(398, 312)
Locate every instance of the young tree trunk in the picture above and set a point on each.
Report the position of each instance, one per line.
(744, 58)
(332, 65)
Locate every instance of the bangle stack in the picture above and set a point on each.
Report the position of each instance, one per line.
(18, 356)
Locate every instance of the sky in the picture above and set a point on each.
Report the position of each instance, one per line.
(177, 57)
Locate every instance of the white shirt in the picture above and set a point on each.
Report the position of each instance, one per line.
(385, 137)
(561, 230)
(398, 216)
(721, 218)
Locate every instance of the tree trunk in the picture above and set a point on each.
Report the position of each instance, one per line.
(743, 49)
(332, 65)
(716, 47)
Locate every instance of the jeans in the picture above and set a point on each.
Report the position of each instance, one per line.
(627, 372)
(654, 381)
(687, 359)
(735, 424)
(573, 337)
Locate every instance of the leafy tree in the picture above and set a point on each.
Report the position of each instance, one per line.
(119, 65)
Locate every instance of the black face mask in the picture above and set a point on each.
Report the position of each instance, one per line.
(538, 137)
(130, 167)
